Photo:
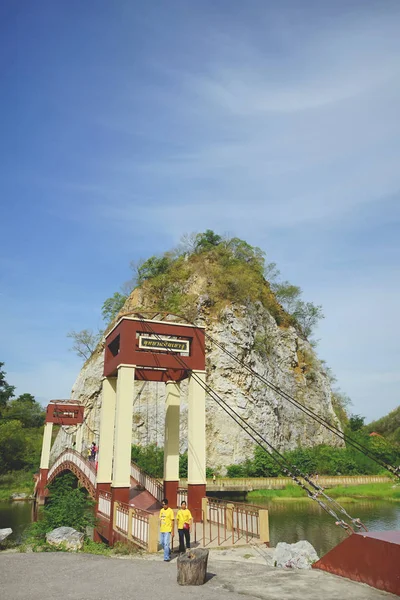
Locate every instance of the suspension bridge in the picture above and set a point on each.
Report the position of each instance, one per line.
(128, 500)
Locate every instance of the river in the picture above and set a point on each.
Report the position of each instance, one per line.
(290, 521)
(16, 515)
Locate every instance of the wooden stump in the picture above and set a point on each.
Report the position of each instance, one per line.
(192, 567)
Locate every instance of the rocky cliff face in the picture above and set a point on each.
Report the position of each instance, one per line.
(251, 334)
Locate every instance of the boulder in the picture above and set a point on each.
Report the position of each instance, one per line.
(4, 533)
(67, 537)
(295, 556)
(17, 497)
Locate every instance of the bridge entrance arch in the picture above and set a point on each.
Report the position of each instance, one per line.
(139, 349)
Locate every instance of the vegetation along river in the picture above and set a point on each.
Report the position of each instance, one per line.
(289, 521)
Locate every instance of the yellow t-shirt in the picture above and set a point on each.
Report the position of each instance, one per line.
(166, 518)
(183, 516)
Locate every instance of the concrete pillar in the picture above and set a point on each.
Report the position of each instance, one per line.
(171, 442)
(106, 441)
(264, 526)
(46, 446)
(196, 443)
(44, 462)
(79, 437)
(123, 430)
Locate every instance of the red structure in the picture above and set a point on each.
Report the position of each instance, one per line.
(59, 412)
(372, 558)
(142, 349)
(154, 347)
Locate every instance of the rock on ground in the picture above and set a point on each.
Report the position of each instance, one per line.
(4, 533)
(295, 556)
(67, 537)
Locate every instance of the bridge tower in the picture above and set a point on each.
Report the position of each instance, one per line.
(139, 349)
(59, 412)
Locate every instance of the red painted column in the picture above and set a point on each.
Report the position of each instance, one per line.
(196, 492)
(41, 487)
(171, 492)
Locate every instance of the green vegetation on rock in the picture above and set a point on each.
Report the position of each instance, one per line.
(388, 426)
(323, 459)
(222, 271)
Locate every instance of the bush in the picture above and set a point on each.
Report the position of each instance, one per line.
(67, 506)
(149, 458)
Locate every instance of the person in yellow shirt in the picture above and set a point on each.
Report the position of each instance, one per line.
(166, 525)
(184, 520)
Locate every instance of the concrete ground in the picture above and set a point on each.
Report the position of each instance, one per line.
(232, 573)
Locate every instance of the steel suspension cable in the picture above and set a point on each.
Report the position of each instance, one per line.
(313, 490)
(306, 410)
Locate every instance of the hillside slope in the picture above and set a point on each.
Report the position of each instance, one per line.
(229, 295)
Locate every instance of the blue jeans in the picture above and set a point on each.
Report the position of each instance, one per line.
(165, 539)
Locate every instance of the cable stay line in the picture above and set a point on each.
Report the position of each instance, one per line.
(313, 490)
(309, 412)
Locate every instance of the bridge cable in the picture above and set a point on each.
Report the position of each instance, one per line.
(313, 490)
(309, 412)
(306, 410)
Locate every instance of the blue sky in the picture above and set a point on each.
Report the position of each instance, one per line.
(126, 124)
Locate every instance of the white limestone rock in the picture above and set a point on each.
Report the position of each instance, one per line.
(279, 358)
(4, 533)
(67, 537)
(294, 556)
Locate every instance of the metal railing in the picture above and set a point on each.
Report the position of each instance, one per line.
(77, 459)
(234, 521)
(182, 496)
(104, 504)
(134, 524)
(151, 484)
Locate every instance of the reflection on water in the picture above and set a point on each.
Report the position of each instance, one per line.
(293, 521)
(16, 515)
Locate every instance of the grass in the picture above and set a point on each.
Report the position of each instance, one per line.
(371, 491)
(15, 482)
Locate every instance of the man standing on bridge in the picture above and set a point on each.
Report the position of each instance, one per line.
(166, 525)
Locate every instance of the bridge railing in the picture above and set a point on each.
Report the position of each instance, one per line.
(236, 520)
(151, 484)
(77, 459)
(136, 525)
(104, 503)
(182, 496)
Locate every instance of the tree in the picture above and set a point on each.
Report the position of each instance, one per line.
(112, 306)
(264, 465)
(85, 341)
(207, 240)
(152, 267)
(356, 422)
(6, 390)
(26, 410)
(15, 448)
(307, 316)
(288, 295)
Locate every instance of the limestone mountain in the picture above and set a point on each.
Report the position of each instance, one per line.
(221, 284)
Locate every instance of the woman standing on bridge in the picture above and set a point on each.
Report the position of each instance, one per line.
(184, 520)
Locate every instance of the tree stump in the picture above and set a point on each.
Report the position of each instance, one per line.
(192, 567)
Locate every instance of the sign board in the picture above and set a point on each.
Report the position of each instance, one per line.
(163, 344)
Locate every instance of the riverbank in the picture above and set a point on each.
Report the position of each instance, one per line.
(372, 491)
(16, 482)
